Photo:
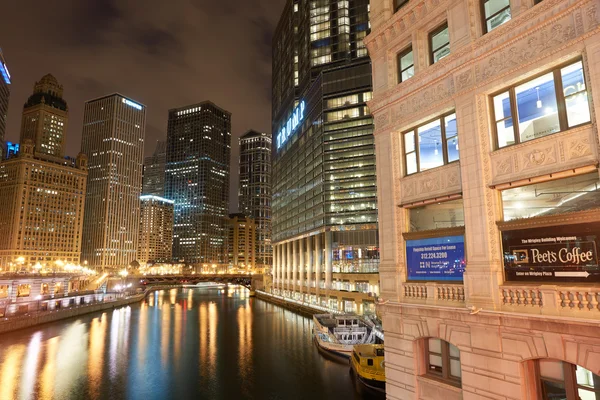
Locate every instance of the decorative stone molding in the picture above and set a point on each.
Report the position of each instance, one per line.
(492, 55)
(557, 152)
(430, 184)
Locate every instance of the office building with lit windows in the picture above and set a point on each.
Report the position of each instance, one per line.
(241, 243)
(197, 180)
(325, 241)
(113, 139)
(155, 241)
(255, 190)
(4, 98)
(45, 117)
(41, 210)
(489, 197)
(153, 182)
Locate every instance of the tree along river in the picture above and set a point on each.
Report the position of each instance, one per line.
(190, 343)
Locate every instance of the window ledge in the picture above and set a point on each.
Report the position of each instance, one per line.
(439, 382)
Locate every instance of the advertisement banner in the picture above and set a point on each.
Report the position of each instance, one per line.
(436, 259)
(566, 253)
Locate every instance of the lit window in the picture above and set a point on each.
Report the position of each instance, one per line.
(537, 107)
(439, 44)
(431, 145)
(443, 361)
(406, 65)
(495, 12)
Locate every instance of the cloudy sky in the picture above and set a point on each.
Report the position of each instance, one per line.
(164, 54)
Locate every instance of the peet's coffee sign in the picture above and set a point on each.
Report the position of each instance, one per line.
(555, 254)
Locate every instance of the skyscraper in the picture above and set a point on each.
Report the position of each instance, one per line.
(324, 186)
(255, 190)
(41, 209)
(197, 179)
(154, 170)
(155, 242)
(4, 97)
(113, 139)
(241, 244)
(45, 117)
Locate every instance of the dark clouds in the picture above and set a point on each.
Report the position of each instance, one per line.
(164, 54)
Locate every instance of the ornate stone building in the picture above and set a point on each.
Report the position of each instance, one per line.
(488, 196)
(41, 210)
(241, 242)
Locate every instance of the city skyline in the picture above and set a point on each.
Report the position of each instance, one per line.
(89, 65)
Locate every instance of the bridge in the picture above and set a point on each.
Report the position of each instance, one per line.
(236, 279)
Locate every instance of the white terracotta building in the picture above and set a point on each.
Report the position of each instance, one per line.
(489, 196)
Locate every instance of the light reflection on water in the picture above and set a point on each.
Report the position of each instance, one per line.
(182, 343)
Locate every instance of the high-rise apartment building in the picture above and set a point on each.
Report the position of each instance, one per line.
(325, 242)
(255, 190)
(113, 139)
(4, 97)
(41, 210)
(155, 242)
(197, 179)
(241, 242)
(45, 117)
(489, 197)
(153, 182)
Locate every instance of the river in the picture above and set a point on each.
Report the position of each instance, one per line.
(207, 343)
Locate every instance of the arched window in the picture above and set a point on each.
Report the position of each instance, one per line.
(443, 361)
(561, 380)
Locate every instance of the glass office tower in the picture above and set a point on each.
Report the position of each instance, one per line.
(4, 97)
(197, 180)
(324, 187)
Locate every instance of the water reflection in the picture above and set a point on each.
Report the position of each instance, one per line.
(189, 343)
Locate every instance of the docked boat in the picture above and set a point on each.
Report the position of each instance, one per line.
(337, 334)
(368, 365)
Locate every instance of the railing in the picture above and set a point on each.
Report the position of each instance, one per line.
(527, 296)
(434, 293)
(578, 302)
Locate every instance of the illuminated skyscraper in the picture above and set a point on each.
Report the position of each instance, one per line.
(41, 209)
(197, 179)
(255, 190)
(45, 117)
(4, 97)
(154, 171)
(241, 244)
(324, 185)
(155, 243)
(113, 139)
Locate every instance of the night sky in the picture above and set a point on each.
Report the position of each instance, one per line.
(164, 54)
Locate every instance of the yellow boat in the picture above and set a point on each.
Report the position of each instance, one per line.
(368, 365)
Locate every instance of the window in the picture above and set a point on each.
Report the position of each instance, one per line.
(495, 13)
(550, 103)
(561, 380)
(431, 145)
(439, 44)
(447, 214)
(406, 65)
(399, 3)
(443, 361)
(575, 193)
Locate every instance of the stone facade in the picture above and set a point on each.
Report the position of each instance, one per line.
(502, 328)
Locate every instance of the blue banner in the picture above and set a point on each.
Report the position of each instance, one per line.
(436, 259)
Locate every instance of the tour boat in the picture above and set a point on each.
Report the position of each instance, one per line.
(368, 365)
(337, 334)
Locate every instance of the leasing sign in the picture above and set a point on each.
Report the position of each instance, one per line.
(556, 254)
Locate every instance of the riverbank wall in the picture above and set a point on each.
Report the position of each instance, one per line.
(14, 323)
(293, 305)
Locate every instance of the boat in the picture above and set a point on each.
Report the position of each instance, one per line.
(337, 334)
(368, 365)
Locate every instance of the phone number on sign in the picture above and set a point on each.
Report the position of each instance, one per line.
(431, 256)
